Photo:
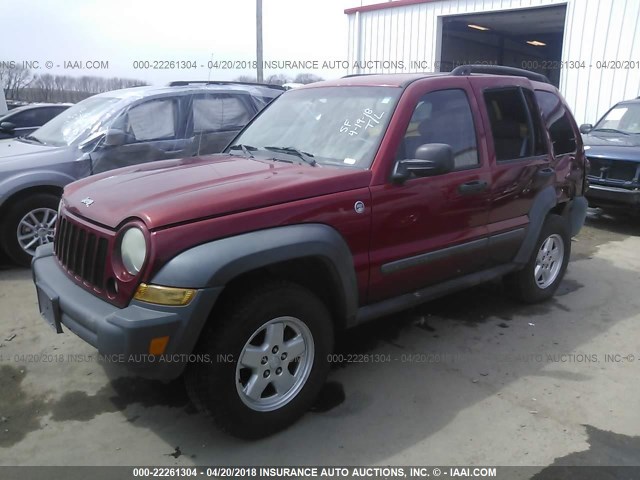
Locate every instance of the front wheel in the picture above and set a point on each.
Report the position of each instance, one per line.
(267, 360)
(29, 223)
(541, 276)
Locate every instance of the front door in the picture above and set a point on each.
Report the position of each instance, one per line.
(155, 131)
(430, 229)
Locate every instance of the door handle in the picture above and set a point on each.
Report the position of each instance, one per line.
(545, 172)
(470, 188)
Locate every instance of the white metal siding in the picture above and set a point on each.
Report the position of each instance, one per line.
(595, 30)
(600, 30)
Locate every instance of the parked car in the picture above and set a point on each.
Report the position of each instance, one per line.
(328, 210)
(3, 103)
(24, 120)
(613, 150)
(107, 131)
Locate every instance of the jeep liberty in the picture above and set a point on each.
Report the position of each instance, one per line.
(341, 202)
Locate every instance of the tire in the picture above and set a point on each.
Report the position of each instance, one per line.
(283, 389)
(530, 285)
(44, 208)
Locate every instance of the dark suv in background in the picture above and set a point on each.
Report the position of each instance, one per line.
(23, 120)
(613, 150)
(341, 202)
(111, 130)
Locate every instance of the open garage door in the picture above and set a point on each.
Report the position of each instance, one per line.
(525, 38)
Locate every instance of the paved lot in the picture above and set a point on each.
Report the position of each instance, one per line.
(490, 381)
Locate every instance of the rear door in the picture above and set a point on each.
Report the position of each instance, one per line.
(430, 229)
(565, 136)
(520, 159)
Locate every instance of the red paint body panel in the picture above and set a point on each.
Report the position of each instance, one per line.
(181, 191)
(336, 210)
(188, 202)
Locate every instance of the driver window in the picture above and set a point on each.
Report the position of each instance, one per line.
(154, 120)
(443, 117)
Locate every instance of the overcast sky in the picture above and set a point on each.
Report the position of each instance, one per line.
(124, 31)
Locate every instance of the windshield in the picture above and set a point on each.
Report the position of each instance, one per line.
(76, 122)
(334, 125)
(623, 118)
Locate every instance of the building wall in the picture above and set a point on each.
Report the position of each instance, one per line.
(595, 31)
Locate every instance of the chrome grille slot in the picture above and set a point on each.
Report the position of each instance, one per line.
(88, 259)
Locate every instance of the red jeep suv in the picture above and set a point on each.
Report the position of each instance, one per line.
(341, 202)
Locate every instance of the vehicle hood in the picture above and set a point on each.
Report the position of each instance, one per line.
(177, 191)
(15, 153)
(615, 147)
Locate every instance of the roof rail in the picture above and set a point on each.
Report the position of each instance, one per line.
(359, 75)
(183, 83)
(466, 70)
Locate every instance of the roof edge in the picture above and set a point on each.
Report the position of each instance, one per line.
(385, 5)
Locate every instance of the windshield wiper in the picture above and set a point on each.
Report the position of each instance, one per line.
(34, 139)
(609, 130)
(246, 149)
(306, 157)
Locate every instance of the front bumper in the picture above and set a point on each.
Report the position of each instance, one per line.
(605, 195)
(123, 335)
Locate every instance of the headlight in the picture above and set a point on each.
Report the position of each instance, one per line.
(133, 250)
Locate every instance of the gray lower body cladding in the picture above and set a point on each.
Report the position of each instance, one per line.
(123, 335)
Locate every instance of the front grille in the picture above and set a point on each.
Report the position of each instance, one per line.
(622, 170)
(597, 166)
(614, 169)
(81, 252)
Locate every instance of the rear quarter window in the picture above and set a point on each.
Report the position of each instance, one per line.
(557, 121)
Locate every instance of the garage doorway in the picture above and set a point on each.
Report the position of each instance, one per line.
(528, 38)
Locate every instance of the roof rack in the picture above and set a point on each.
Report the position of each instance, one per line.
(466, 70)
(358, 75)
(183, 83)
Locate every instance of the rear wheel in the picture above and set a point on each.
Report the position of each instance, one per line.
(267, 360)
(29, 223)
(541, 276)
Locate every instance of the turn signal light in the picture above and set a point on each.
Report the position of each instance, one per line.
(164, 295)
(158, 345)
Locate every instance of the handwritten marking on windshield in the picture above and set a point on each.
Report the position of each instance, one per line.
(368, 120)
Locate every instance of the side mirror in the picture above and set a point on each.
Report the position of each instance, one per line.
(115, 138)
(431, 159)
(7, 126)
(586, 128)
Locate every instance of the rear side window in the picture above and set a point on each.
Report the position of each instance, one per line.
(515, 124)
(443, 116)
(218, 113)
(153, 120)
(27, 118)
(556, 119)
(47, 114)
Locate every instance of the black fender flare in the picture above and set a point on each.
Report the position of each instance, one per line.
(216, 263)
(544, 202)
